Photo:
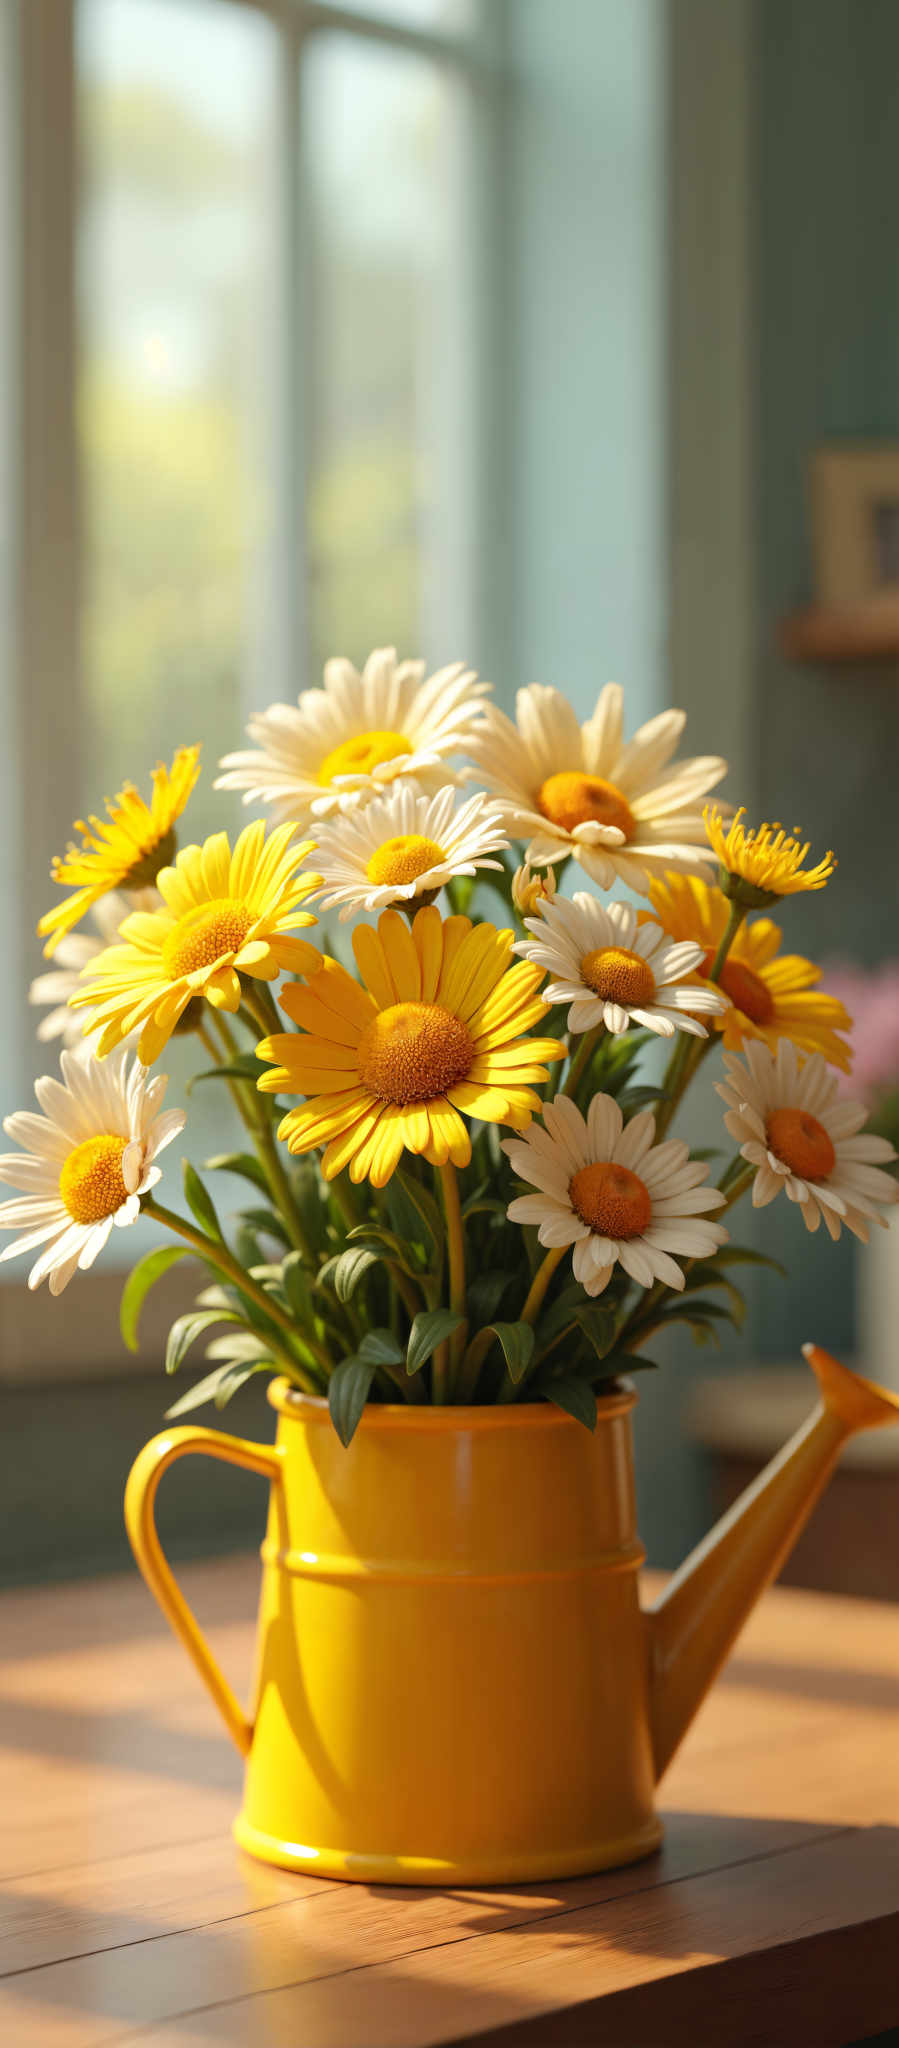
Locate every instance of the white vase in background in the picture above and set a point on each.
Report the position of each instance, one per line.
(877, 1271)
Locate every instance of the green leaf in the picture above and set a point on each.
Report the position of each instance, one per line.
(242, 1163)
(243, 1346)
(372, 1237)
(517, 1341)
(217, 1297)
(186, 1329)
(200, 1202)
(348, 1391)
(743, 1255)
(297, 1290)
(485, 1294)
(311, 1200)
(633, 1099)
(218, 1386)
(706, 1152)
(349, 1268)
(574, 1395)
(379, 1347)
(430, 1328)
(424, 1209)
(598, 1326)
(705, 1275)
(148, 1270)
(266, 1221)
(245, 1067)
(617, 1363)
(483, 1206)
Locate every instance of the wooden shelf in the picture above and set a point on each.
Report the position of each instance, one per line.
(843, 633)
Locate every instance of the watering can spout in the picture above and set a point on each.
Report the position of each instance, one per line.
(703, 1607)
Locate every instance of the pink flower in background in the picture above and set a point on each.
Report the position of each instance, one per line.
(872, 999)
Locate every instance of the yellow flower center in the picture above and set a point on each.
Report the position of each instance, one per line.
(403, 859)
(205, 935)
(414, 1051)
(91, 1183)
(361, 755)
(611, 1199)
(617, 976)
(801, 1143)
(572, 799)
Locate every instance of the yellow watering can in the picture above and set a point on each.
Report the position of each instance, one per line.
(456, 1684)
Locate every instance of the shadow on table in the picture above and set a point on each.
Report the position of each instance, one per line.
(874, 1691)
(288, 1971)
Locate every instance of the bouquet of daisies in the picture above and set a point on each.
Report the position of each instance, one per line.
(463, 1185)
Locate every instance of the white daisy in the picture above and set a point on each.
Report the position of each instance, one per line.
(359, 733)
(609, 1191)
(73, 953)
(85, 1163)
(805, 1139)
(623, 811)
(403, 845)
(615, 972)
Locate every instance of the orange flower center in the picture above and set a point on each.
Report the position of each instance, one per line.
(91, 1183)
(363, 753)
(202, 936)
(611, 1199)
(618, 976)
(403, 859)
(801, 1143)
(572, 799)
(414, 1051)
(746, 989)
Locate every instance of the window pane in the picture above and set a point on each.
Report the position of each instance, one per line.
(175, 102)
(444, 16)
(389, 361)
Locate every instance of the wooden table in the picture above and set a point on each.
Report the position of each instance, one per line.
(771, 1915)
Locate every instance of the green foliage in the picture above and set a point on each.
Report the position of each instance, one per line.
(186, 1329)
(218, 1386)
(148, 1270)
(243, 1163)
(348, 1391)
(517, 1343)
(567, 1391)
(429, 1329)
(200, 1202)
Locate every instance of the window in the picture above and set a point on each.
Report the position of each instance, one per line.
(249, 256)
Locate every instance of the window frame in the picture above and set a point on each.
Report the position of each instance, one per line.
(41, 564)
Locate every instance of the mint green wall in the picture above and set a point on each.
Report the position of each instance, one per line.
(581, 347)
(827, 259)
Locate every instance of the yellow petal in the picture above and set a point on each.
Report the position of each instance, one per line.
(373, 967)
(427, 931)
(401, 954)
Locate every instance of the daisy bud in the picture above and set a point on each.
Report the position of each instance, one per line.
(530, 889)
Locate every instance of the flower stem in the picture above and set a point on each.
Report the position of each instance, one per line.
(582, 1058)
(259, 1125)
(219, 1255)
(689, 1051)
(455, 1238)
(540, 1282)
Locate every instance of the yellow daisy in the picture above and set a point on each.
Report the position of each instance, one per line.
(435, 1028)
(773, 995)
(123, 851)
(224, 914)
(759, 866)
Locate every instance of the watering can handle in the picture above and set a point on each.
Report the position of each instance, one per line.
(140, 1496)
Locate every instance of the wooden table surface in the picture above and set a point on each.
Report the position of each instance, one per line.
(127, 1915)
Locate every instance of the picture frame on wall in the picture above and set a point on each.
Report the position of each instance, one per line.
(854, 488)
